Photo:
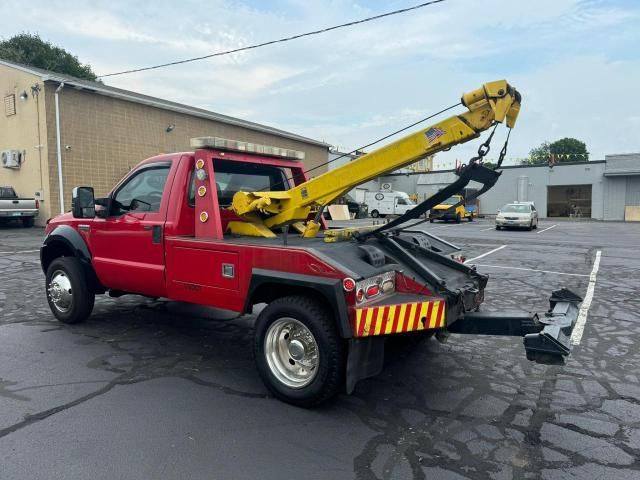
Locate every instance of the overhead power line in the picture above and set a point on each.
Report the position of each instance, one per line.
(360, 149)
(271, 42)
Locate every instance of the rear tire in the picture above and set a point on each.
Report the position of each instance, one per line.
(431, 220)
(299, 353)
(458, 218)
(68, 295)
(498, 227)
(27, 222)
(375, 213)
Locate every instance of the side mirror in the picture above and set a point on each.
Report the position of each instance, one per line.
(83, 202)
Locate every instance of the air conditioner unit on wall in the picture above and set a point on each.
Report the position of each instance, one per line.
(11, 158)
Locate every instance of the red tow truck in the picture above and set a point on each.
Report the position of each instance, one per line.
(212, 227)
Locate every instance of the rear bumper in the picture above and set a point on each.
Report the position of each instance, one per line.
(18, 213)
(387, 319)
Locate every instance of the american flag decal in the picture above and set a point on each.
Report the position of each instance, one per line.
(434, 133)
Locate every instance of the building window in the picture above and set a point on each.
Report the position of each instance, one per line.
(10, 105)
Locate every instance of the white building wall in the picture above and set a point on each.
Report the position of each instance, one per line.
(506, 189)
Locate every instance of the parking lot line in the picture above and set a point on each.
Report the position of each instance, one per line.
(578, 329)
(533, 270)
(19, 251)
(548, 228)
(485, 254)
(485, 229)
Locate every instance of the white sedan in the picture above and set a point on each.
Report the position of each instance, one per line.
(517, 215)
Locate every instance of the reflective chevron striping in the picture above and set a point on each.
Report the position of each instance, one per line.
(405, 317)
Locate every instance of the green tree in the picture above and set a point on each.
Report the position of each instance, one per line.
(568, 150)
(30, 49)
(538, 155)
(563, 150)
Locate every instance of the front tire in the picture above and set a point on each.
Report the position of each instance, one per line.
(457, 218)
(69, 297)
(299, 354)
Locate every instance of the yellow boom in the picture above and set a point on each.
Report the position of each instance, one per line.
(493, 102)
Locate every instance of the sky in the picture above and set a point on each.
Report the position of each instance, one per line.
(576, 62)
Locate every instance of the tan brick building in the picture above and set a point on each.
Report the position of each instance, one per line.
(104, 132)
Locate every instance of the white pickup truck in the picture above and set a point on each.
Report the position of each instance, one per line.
(13, 207)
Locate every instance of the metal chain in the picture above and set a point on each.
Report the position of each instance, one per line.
(503, 152)
(483, 149)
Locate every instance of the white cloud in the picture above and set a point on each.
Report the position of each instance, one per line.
(571, 59)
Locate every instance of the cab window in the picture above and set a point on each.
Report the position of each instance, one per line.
(232, 177)
(142, 192)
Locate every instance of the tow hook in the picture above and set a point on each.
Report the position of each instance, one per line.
(547, 338)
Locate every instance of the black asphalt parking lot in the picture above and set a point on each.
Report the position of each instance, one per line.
(156, 389)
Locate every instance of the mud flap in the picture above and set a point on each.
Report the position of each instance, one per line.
(365, 359)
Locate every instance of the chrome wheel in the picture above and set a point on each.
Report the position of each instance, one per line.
(59, 291)
(291, 352)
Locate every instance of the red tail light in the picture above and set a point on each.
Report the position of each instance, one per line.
(348, 284)
(360, 295)
(38, 204)
(372, 291)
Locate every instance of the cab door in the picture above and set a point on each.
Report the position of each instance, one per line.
(128, 245)
(401, 206)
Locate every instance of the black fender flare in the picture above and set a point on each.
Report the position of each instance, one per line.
(330, 288)
(73, 242)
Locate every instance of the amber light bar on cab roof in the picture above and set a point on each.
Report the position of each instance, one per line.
(245, 147)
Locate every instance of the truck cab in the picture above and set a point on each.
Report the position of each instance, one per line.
(444, 210)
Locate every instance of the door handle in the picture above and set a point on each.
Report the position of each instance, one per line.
(156, 234)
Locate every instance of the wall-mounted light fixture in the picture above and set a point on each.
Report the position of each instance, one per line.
(170, 128)
(24, 95)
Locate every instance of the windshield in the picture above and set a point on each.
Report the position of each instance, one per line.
(450, 201)
(515, 209)
(404, 201)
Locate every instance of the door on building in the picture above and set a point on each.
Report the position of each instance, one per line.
(632, 199)
(132, 235)
(572, 201)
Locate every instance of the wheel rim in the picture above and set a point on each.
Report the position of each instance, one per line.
(291, 352)
(59, 291)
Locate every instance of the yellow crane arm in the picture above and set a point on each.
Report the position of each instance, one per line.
(493, 102)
